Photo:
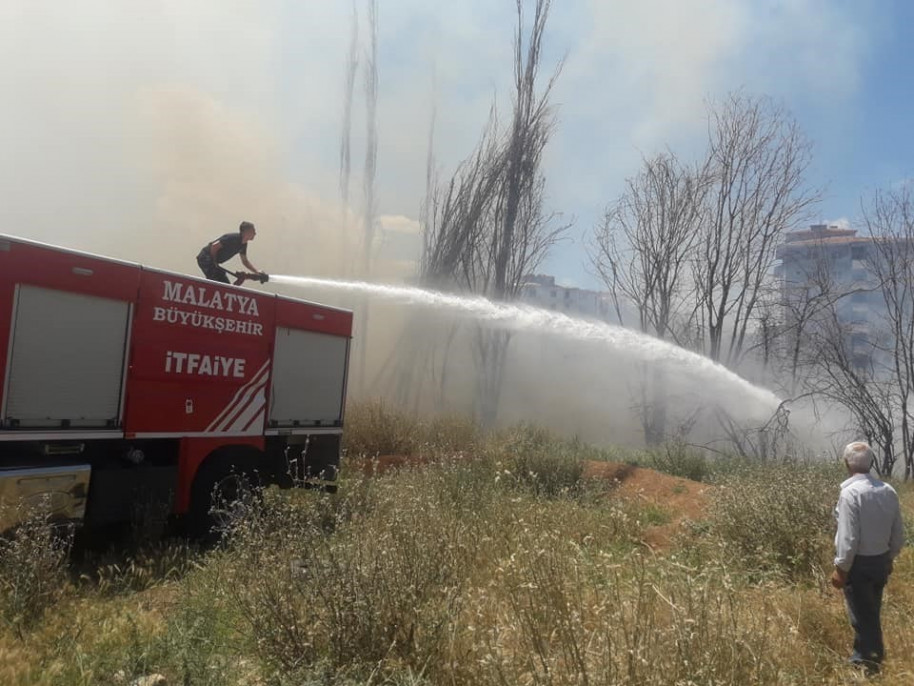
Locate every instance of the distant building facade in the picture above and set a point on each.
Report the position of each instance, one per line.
(542, 291)
(827, 256)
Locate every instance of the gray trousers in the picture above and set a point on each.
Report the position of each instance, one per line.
(863, 596)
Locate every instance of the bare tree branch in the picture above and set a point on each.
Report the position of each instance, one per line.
(757, 159)
(487, 226)
(643, 251)
(352, 65)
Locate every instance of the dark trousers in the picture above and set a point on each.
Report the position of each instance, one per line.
(210, 269)
(863, 596)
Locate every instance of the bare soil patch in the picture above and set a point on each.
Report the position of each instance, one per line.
(680, 498)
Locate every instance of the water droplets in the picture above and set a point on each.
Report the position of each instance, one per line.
(742, 397)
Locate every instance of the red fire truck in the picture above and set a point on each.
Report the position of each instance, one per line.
(125, 387)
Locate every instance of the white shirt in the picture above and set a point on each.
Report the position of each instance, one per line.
(869, 520)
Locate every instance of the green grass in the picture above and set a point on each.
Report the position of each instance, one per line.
(495, 562)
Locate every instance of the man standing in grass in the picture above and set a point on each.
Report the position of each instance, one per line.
(870, 536)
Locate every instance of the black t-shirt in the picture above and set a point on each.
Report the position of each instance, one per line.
(230, 245)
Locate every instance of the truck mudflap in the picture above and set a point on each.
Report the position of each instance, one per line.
(60, 493)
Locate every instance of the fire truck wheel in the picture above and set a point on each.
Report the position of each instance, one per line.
(219, 496)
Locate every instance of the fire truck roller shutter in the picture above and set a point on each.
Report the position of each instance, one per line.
(66, 360)
(309, 378)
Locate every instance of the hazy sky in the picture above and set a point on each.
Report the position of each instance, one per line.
(142, 129)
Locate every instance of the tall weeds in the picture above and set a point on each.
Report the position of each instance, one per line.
(775, 523)
(496, 562)
(33, 570)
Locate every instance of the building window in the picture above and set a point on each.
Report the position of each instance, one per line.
(858, 252)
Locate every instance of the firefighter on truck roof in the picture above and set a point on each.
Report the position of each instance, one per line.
(225, 248)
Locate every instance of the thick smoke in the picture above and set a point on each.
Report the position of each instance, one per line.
(142, 130)
(215, 168)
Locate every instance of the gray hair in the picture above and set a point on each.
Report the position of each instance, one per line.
(859, 457)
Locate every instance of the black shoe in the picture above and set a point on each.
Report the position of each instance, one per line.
(869, 667)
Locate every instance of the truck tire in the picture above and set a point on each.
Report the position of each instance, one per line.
(220, 491)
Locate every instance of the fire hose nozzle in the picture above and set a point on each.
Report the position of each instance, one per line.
(241, 277)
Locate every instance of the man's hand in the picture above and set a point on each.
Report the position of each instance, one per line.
(838, 578)
(248, 265)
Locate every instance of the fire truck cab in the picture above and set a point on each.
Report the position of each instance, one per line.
(126, 387)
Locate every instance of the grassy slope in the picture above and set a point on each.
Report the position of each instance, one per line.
(494, 561)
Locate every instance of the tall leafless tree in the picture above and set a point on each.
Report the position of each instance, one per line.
(889, 221)
(809, 300)
(488, 226)
(689, 250)
(858, 328)
(847, 374)
(521, 227)
(368, 181)
(460, 217)
(456, 218)
(530, 129)
(461, 242)
(757, 158)
(352, 65)
(371, 136)
(644, 247)
(430, 175)
(643, 250)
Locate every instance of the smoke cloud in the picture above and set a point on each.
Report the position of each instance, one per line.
(141, 130)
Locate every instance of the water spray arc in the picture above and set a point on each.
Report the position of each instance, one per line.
(527, 318)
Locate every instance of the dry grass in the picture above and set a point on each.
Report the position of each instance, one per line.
(33, 564)
(499, 560)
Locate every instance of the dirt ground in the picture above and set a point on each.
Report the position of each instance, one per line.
(679, 498)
